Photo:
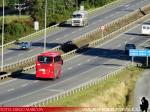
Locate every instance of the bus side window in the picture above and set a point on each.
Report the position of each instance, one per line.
(57, 59)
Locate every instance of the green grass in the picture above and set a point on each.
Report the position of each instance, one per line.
(9, 18)
(110, 93)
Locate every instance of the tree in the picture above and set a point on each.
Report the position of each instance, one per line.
(11, 3)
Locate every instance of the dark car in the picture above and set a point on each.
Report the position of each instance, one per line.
(128, 47)
(68, 46)
(25, 45)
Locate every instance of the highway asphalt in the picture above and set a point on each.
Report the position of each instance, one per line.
(84, 67)
(63, 34)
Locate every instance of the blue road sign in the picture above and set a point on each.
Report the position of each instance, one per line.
(142, 52)
(133, 52)
(148, 52)
(139, 52)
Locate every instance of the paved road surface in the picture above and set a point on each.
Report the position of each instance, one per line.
(64, 34)
(86, 66)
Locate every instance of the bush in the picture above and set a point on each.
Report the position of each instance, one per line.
(16, 30)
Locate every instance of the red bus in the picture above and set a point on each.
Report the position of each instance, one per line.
(48, 65)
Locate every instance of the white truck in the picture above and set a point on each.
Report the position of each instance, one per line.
(79, 18)
(145, 29)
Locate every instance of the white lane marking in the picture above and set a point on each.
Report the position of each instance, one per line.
(69, 68)
(100, 20)
(24, 85)
(58, 39)
(106, 17)
(2, 83)
(53, 90)
(66, 35)
(38, 40)
(88, 60)
(119, 45)
(79, 64)
(113, 15)
(9, 58)
(30, 51)
(35, 81)
(73, 32)
(51, 85)
(20, 54)
(131, 38)
(127, 5)
(6, 52)
(11, 89)
(126, 42)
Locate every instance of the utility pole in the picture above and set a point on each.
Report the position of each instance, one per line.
(45, 25)
(53, 7)
(20, 7)
(2, 63)
(76, 4)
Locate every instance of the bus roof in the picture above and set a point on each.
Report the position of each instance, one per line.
(50, 53)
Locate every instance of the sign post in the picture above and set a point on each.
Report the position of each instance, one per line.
(102, 28)
(147, 61)
(133, 53)
(140, 53)
(36, 26)
(2, 63)
(132, 60)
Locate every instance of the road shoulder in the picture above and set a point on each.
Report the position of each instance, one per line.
(142, 88)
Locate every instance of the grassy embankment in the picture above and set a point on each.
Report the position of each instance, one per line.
(117, 91)
(10, 18)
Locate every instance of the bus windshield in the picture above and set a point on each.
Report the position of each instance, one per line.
(44, 59)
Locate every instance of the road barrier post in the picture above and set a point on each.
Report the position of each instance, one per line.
(147, 61)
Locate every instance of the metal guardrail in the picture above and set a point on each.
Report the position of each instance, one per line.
(75, 51)
(79, 88)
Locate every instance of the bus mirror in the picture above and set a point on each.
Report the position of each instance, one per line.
(62, 62)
